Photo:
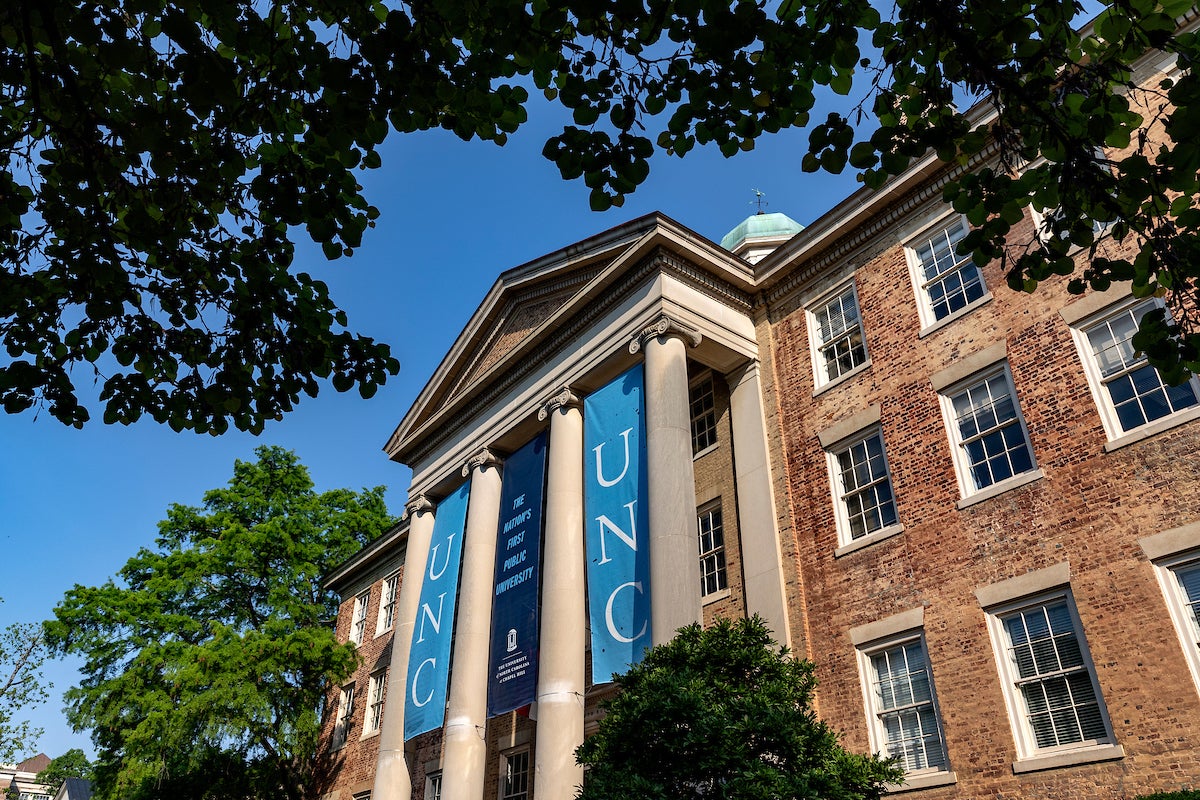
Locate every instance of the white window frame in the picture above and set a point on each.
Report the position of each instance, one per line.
(929, 321)
(433, 783)
(358, 618)
(704, 383)
(929, 776)
(344, 718)
(505, 758)
(962, 462)
(373, 718)
(1023, 735)
(718, 552)
(812, 313)
(1167, 570)
(1100, 396)
(846, 538)
(389, 593)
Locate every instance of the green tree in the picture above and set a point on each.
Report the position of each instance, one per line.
(205, 664)
(722, 712)
(72, 764)
(160, 157)
(22, 652)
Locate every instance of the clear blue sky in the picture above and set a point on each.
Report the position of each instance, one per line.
(77, 504)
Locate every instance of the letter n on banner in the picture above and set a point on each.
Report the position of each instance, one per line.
(512, 676)
(617, 522)
(433, 633)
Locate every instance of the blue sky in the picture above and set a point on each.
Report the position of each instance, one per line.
(77, 504)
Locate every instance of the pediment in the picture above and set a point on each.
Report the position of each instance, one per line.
(529, 303)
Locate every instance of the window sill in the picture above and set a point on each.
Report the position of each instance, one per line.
(926, 780)
(1069, 758)
(869, 539)
(370, 734)
(714, 597)
(1153, 428)
(840, 379)
(1000, 488)
(962, 312)
(701, 453)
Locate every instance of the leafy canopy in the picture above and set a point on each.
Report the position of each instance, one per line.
(162, 157)
(722, 712)
(22, 652)
(206, 663)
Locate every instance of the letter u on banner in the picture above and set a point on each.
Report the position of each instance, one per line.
(433, 633)
(617, 522)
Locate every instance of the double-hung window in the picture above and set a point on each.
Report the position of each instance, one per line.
(1129, 392)
(711, 534)
(991, 443)
(374, 718)
(862, 486)
(1180, 579)
(514, 778)
(433, 785)
(345, 714)
(704, 414)
(836, 333)
(358, 619)
(902, 705)
(387, 604)
(946, 282)
(1050, 678)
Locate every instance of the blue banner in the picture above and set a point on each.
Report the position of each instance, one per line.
(429, 658)
(512, 674)
(617, 524)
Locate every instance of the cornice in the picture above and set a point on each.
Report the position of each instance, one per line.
(859, 235)
(556, 341)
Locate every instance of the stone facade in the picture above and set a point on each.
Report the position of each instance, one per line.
(906, 510)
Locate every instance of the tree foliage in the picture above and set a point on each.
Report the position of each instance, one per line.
(722, 712)
(161, 157)
(22, 652)
(72, 764)
(206, 663)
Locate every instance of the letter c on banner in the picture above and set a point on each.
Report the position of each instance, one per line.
(608, 611)
(599, 469)
(417, 677)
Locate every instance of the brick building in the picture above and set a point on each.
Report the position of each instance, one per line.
(977, 511)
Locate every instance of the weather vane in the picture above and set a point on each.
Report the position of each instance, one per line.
(758, 198)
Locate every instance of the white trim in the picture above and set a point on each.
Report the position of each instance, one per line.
(929, 776)
(847, 542)
(1029, 756)
(929, 321)
(1117, 436)
(358, 617)
(1167, 572)
(821, 381)
(381, 625)
(962, 466)
(376, 694)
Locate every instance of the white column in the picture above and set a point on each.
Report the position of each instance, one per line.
(762, 561)
(392, 781)
(464, 746)
(674, 562)
(564, 613)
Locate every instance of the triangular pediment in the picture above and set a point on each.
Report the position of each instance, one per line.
(528, 302)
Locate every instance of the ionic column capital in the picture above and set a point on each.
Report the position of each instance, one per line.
(484, 458)
(419, 504)
(565, 398)
(665, 325)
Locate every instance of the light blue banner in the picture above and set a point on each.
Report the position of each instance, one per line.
(617, 524)
(429, 658)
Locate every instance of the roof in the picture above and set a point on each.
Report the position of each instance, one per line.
(761, 226)
(75, 789)
(35, 764)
